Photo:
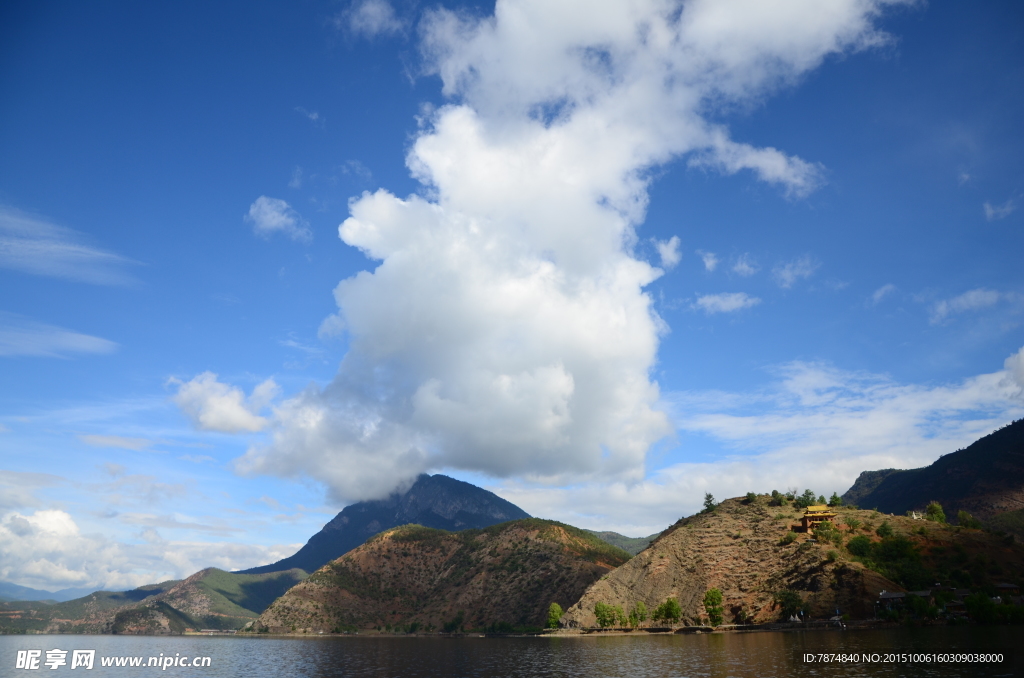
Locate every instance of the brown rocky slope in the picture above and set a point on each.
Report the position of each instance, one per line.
(745, 549)
(413, 577)
(737, 548)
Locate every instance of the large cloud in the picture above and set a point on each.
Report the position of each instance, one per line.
(815, 427)
(46, 549)
(506, 329)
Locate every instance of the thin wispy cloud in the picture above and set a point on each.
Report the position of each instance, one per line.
(745, 266)
(20, 336)
(788, 274)
(33, 245)
(272, 215)
(997, 212)
(882, 292)
(973, 300)
(121, 442)
(726, 302)
(312, 116)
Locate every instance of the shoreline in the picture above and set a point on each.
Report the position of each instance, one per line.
(823, 625)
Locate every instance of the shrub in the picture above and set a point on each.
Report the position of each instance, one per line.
(852, 524)
(965, 519)
(884, 530)
(455, 624)
(605, 614)
(805, 499)
(751, 497)
(789, 602)
(835, 500)
(827, 533)
(789, 538)
(638, 615)
(859, 546)
(935, 513)
(713, 606)
(555, 613)
(670, 611)
(778, 499)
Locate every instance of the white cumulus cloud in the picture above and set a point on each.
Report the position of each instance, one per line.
(46, 549)
(371, 18)
(726, 302)
(710, 260)
(216, 406)
(505, 328)
(271, 215)
(815, 426)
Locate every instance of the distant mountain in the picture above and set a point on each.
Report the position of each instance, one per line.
(433, 501)
(10, 591)
(632, 545)
(411, 577)
(985, 479)
(210, 598)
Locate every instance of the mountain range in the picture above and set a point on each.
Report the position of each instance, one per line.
(446, 551)
(434, 501)
(500, 577)
(986, 479)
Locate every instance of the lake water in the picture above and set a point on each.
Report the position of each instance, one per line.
(759, 655)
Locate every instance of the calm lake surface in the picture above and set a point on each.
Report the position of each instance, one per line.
(630, 656)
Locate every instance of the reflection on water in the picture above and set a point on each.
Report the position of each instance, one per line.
(737, 655)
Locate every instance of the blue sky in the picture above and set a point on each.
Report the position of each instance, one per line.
(597, 273)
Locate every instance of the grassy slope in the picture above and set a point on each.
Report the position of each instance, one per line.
(633, 545)
(1011, 522)
(251, 592)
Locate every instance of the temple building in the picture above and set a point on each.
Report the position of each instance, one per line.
(815, 515)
